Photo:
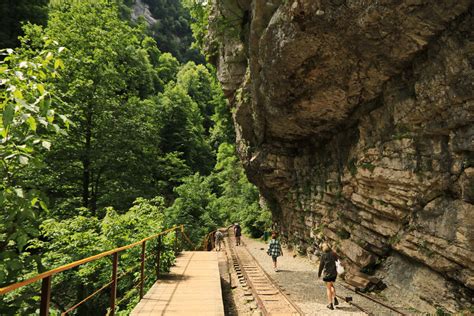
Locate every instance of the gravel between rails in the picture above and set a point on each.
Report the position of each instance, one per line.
(298, 277)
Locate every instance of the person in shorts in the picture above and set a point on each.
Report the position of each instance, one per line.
(328, 264)
(274, 250)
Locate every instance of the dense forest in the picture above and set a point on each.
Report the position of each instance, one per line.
(112, 129)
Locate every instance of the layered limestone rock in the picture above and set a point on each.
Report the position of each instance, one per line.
(355, 120)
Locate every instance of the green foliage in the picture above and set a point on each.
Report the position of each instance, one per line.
(394, 239)
(238, 198)
(109, 88)
(224, 197)
(192, 208)
(28, 120)
(201, 85)
(197, 82)
(442, 312)
(182, 128)
(167, 67)
(230, 22)
(343, 234)
(352, 167)
(199, 10)
(368, 166)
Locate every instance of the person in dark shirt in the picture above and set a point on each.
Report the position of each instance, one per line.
(328, 264)
(237, 233)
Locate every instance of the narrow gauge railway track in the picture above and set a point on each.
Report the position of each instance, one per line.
(270, 298)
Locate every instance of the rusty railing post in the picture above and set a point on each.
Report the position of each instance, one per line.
(142, 269)
(45, 296)
(182, 237)
(158, 257)
(213, 241)
(175, 242)
(113, 287)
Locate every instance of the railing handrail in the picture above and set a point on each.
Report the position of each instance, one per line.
(74, 264)
(205, 242)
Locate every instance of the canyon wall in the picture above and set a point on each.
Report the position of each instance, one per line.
(355, 120)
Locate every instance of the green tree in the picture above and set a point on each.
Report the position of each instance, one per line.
(201, 85)
(110, 76)
(197, 81)
(199, 11)
(238, 198)
(182, 129)
(192, 208)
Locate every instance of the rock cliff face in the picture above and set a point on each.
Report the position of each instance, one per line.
(141, 9)
(355, 120)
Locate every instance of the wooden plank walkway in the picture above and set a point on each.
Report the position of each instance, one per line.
(193, 287)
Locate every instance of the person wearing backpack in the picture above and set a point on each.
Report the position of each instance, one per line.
(328, 264)
(274, 250)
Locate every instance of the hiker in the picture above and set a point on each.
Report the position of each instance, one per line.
(237, 233)
(328, 263)
(218, 237)
(274, 250)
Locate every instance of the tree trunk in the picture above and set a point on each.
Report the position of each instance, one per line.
(86, 160)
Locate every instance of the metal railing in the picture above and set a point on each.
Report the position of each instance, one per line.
(209, 241)
(46, 277)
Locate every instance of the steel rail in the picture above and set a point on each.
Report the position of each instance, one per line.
(354, 304)
(373, 299)
(252, 287)
(273, 282)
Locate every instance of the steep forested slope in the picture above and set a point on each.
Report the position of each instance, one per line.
(169, 24)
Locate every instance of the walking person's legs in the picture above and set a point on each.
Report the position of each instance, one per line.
(329, 294)
(274, 259)
(333, 291)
